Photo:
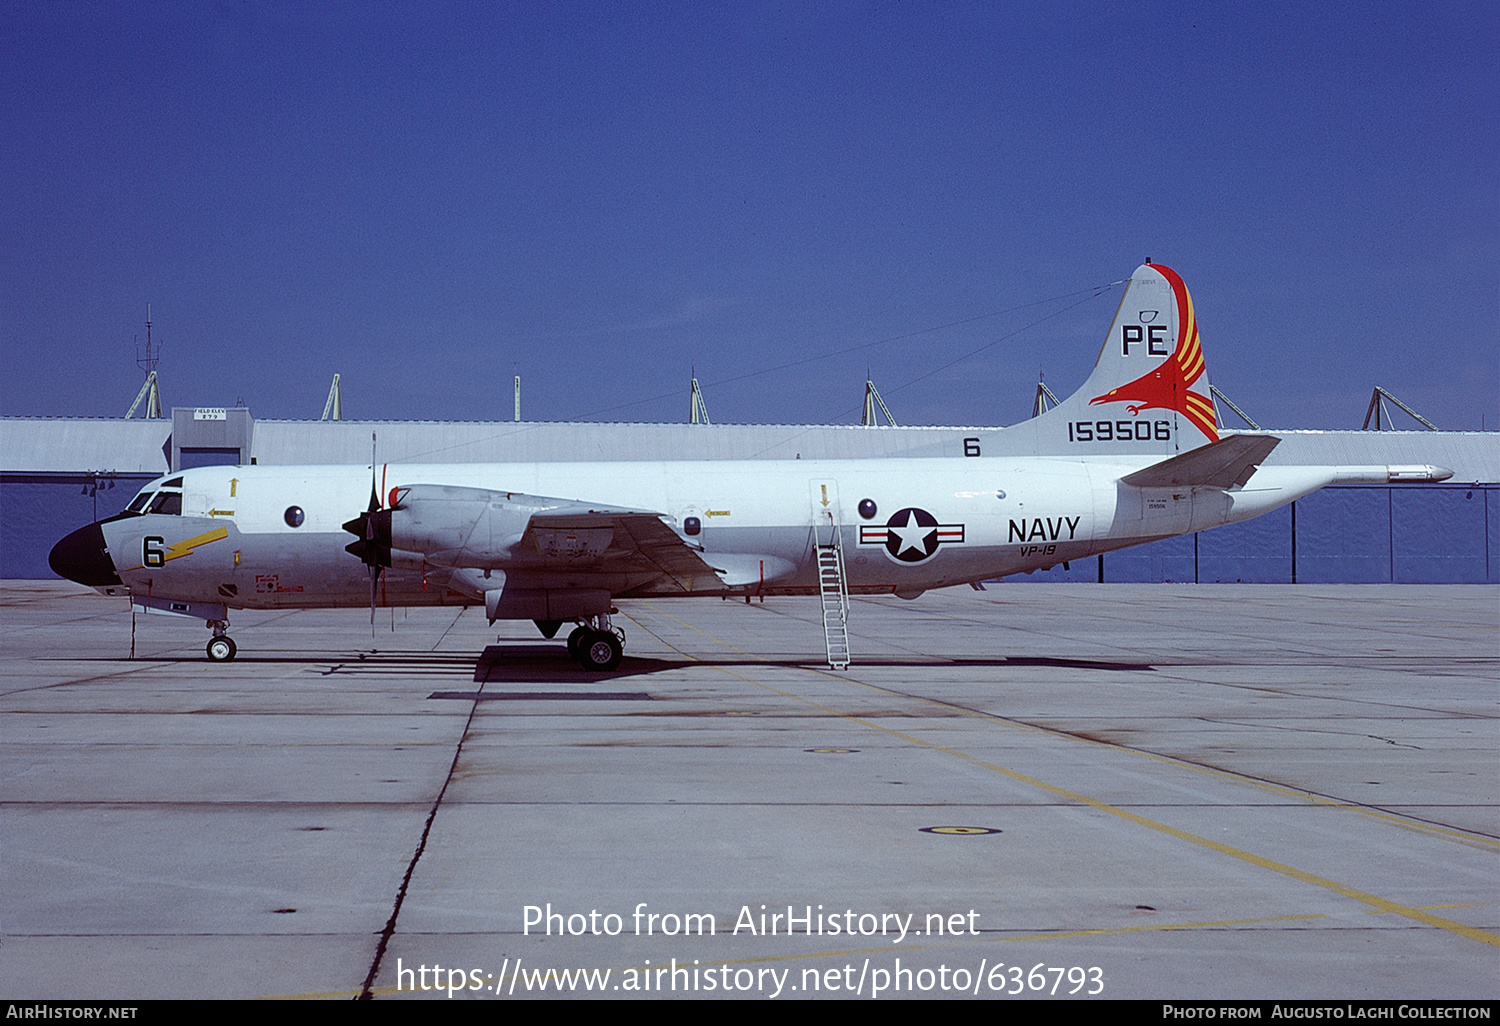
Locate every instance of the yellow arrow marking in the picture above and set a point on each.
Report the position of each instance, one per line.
(825, 495)
(233, 484)
(221, 512)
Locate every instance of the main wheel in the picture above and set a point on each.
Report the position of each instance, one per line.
(600, 651)
(575, 642)
(222, 648)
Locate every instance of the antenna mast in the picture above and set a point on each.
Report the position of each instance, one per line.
(146, 358)
(698, 410)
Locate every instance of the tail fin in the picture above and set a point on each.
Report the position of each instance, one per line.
(1148, 394)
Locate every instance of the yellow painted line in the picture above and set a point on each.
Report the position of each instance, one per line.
(890, 948)
(1264, 785)
(812, 956)
(1379, 905)
(320, 995)
(1416, 826)
(1373, 900)
(1429, 908)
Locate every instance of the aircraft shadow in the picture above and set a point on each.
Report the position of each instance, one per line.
(504, 664)
(350, 660)
(529, 663)
(1066, 664)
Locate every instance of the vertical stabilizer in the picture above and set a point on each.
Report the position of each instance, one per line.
(1148, 393)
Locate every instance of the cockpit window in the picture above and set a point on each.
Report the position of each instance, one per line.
(166, 503)
(138, 503)
(176, 482)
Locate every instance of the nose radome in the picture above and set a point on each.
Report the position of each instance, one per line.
(83, 556)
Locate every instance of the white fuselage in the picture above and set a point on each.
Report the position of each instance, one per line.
(266, 537)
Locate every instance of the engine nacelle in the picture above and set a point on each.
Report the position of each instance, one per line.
(453, 526)
(449, 525)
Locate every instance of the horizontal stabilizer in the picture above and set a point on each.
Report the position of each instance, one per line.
(1223, 464)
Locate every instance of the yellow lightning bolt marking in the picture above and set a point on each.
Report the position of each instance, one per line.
(186, 546)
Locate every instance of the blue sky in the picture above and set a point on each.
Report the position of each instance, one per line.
(605, 197)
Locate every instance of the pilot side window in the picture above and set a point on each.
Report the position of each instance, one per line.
(138, 503)
(166, 503)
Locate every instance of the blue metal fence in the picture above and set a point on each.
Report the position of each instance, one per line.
(1353, 534)
(38, 509)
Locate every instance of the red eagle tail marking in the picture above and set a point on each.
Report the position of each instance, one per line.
(1168, 387)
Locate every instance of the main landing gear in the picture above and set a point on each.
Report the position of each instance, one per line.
(596, 645)
(221, 647)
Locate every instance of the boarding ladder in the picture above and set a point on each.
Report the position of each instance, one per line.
(833, 589)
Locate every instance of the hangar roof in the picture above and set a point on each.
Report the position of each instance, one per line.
(1473, 456)
(49, 444)
(40, 445)
(499, 442)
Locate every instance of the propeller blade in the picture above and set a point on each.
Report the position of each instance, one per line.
(369, 526)
(374, 489)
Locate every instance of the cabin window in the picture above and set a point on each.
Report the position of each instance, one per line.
(293, 516)
(867, 508)
(692, 525)
(166, 503)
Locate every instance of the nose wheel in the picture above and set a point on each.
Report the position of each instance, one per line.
(221, 647)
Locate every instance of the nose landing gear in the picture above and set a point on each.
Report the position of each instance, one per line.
(221, 647)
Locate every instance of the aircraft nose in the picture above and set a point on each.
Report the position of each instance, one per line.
(83, 556)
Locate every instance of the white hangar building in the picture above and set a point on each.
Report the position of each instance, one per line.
(57, 474)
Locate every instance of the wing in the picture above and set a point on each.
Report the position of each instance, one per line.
(633, 541)
(550, 541)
